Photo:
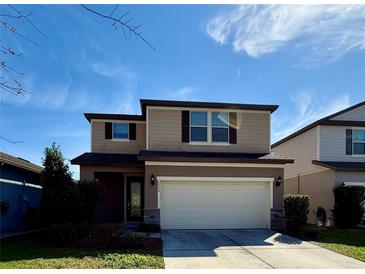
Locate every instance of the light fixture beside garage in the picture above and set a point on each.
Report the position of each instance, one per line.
(153, 179)
(279, 180)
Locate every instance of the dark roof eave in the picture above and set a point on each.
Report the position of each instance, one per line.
(192, 104)
(317, 123)
(214, 160)
(337, 168)
(106, 116)
(85, 163)
(106, 159)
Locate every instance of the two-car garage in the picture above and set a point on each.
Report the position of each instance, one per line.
(215, 202)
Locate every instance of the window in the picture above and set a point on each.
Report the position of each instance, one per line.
(199, 126)
(209, 127)
(358, 141)
(120, 131)
(220, 126)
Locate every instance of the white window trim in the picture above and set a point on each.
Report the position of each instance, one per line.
(209, 127)
(269, 180)
(353, 154)
(120, 139)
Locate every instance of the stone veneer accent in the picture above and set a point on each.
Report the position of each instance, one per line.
(151, 216)
(277, 219)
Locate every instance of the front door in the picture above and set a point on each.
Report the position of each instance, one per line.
(134, 198)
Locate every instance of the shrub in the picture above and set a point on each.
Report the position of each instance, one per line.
(310, 234)
(149, 227)
(295, 211)
(90, 194)
(133, 241)
(94, 236)
(348, 209)
(67, 234)
(59, 194)
(63, 200)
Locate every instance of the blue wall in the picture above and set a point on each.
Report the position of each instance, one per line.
(19, 197)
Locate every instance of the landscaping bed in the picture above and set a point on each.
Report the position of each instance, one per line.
(34, 251)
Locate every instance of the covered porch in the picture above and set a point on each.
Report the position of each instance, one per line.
(122, 178)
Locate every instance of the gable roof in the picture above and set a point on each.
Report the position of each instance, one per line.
(19, 162)
(345, 110)
(168, 103)
(326, 121)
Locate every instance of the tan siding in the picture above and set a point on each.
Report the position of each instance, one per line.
(357, 114)
(303, 149)
(318, 186)
(164, 128)
(102, 145)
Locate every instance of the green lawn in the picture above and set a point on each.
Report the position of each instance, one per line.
(31, 251)
(350, 242)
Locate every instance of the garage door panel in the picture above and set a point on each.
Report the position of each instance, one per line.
(211, 204)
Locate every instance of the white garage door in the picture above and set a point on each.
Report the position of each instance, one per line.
(214, 204)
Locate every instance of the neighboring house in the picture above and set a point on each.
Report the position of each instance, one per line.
(186, 165)
(328, 153)
(19, 190)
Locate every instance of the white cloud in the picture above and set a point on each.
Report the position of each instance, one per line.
(117, 95)
(68, 133)
(325, 32)
(112, 71)
(184, 93)
(308, 107)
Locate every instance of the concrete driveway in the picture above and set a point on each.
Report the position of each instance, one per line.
(246, 249)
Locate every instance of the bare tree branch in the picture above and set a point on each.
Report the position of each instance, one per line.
(124, 24)
(10, 141)
(13, 30)
(9, 74)
(25, 17)
(116, 7)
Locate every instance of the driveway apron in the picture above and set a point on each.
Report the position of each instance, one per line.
(246, 249)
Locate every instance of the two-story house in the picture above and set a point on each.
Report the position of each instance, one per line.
(327, 153)
(186, 165)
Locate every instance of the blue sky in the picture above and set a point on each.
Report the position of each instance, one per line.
(310, 60)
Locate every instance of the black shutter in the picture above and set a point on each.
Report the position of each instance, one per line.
(233, 128)
(132, 131)
(348, 141)
(108, 130)
(185, 123)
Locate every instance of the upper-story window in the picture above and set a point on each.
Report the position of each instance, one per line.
(220, 126)
(209, 127)
(121, 131)
(199, 126)
(358, 141)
